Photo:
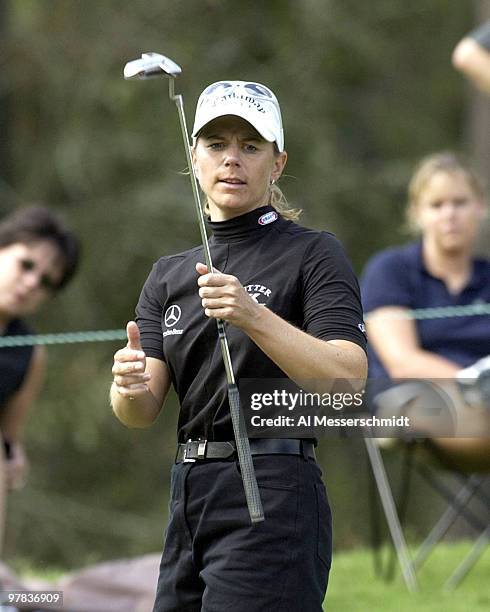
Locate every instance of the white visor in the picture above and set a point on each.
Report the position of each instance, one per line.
(254, 102)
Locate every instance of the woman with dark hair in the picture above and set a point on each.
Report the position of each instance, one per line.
(38, 256)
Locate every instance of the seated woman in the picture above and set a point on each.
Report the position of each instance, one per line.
(38, 256)
(446, 206)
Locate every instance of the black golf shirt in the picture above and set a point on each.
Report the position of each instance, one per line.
(300, 274)
(14, 362)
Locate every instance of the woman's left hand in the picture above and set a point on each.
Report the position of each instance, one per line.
(223, 297)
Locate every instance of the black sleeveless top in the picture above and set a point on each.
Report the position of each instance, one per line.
(14, 362)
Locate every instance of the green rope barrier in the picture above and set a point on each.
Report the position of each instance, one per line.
(445, 312)
(420, 314)
(64, 338)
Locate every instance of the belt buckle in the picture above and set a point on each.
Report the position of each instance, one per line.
(187, 449)
(201, 449)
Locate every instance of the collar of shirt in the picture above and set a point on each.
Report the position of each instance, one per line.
(251, 225)
(479, 274)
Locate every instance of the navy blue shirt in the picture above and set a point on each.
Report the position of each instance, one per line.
(398, 277)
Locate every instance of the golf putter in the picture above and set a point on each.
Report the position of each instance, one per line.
(152, 65)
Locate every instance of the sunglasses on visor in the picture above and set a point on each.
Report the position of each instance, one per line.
(225, 87)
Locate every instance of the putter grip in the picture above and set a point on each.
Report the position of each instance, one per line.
(250, 485)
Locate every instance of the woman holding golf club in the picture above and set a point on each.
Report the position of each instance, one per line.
(291, 306)
(38, 256)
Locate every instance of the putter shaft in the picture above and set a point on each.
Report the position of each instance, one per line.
(152, 65)
(251, 488)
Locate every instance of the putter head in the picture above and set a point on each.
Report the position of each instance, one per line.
(151, 65)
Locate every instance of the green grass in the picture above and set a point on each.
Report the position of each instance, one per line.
(353, 587)
(24, 569)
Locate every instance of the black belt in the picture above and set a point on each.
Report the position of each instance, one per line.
(196, 450)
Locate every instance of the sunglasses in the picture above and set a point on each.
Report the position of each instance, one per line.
(45, 281)
(254, 89)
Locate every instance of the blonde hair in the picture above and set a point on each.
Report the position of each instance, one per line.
(447, 162)
(279, 202)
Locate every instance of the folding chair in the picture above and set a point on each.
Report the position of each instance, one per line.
(429, 459)
(391, 512)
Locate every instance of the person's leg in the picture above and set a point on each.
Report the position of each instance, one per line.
(281, 564)
(179, 587)
(3, 494)
(459, 433)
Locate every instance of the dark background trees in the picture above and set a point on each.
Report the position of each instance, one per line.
(365, 88)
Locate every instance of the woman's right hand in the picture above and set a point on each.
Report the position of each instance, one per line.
(130, 378)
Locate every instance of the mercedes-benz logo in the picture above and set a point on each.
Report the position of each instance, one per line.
(172, 315)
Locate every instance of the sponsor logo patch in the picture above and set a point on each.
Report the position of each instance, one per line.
(171, 318)
(172, 332)
(258, 291)
(269, 217)
(172, 315)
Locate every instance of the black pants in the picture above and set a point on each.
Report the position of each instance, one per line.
(214, 560)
